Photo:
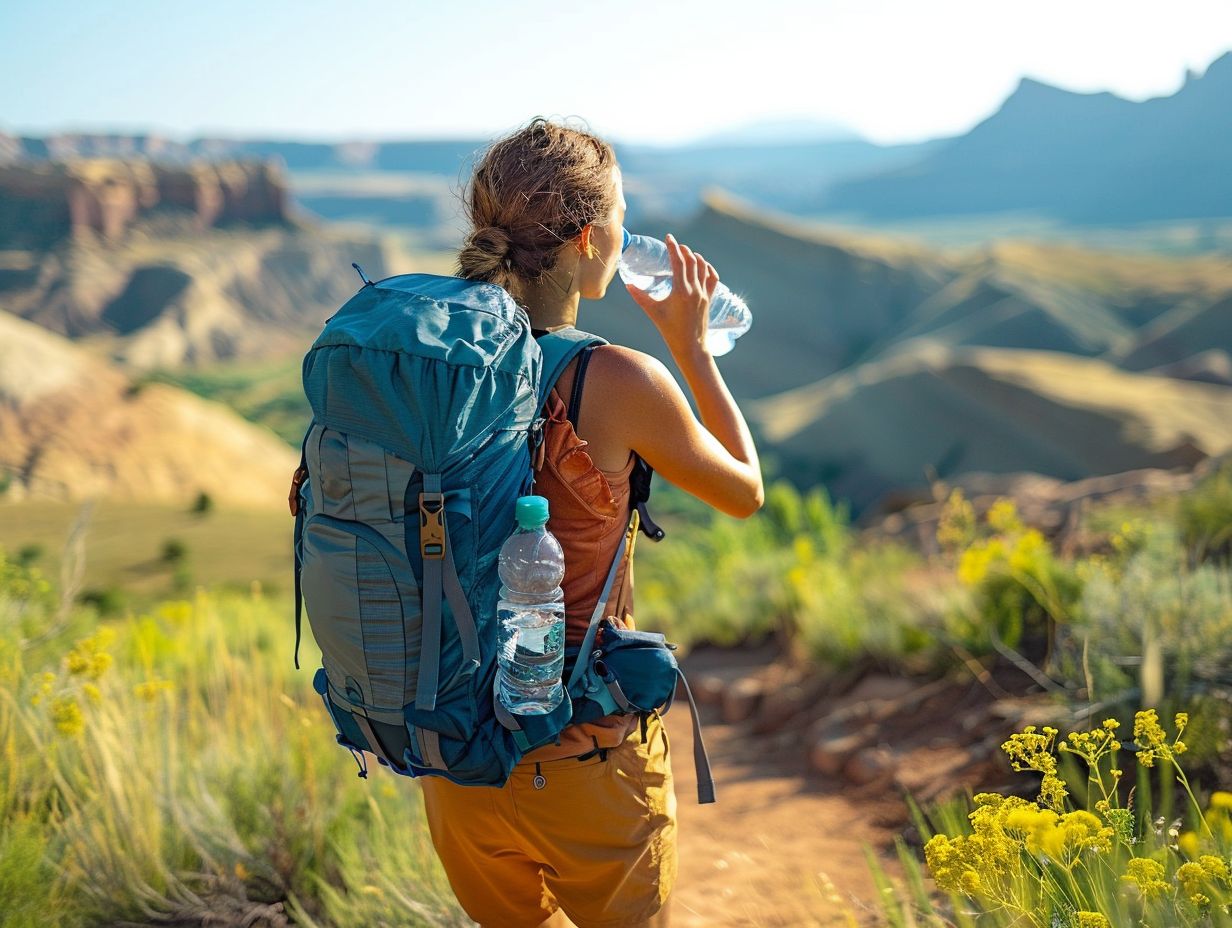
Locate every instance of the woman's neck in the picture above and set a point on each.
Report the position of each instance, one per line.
(550, 304)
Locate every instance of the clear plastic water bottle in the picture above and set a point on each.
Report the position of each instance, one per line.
(644, 263)
(531, 612)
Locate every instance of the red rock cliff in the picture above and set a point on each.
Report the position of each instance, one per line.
(44, 203)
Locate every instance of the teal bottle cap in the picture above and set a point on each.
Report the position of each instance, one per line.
(531, 511)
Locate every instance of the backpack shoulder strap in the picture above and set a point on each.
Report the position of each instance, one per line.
(559, 348)
(575, 400)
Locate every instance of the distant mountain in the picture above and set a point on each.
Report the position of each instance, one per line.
(72, 426)
(819, 299)
(1188, 330)
(1084, 158)
(826, 299)
(432, 156)
(416, 183)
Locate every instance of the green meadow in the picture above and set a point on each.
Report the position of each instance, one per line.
(164, 762)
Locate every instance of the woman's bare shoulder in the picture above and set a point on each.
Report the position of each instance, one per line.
(627, 370)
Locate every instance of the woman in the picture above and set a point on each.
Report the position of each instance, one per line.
(586, 828)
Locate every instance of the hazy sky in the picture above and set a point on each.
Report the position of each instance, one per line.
(637, 70)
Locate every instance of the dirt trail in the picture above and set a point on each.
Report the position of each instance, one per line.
(755, 858)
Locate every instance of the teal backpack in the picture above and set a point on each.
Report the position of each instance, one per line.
(426, 395)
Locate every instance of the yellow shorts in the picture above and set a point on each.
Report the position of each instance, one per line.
(596, 837)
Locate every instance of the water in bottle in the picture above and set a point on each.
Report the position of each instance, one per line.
(644, 264)
(531, 613)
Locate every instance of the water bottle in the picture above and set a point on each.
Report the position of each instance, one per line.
(644, 264)
(531, 614)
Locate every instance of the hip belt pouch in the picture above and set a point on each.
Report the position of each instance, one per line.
(629, 672)
(632, 672)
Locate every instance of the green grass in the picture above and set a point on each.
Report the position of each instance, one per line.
(269, 393)
(172, 766)
(124, 546)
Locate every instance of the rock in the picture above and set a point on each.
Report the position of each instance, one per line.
(830, 755)
(41, 204)
(781, 705)
(740, 700)
(708, 691)
(869, 765)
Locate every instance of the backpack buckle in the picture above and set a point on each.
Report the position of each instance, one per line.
(432, 526)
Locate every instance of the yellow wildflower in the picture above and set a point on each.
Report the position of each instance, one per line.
(46, 682)
(89, 656)
(177, 612)
(1028, 551)
(1040, 831)
(1031, 751)
(1188, 843)
(1151, 739)
(1221, 800)
(92, 693)
(1003, 516)
(1148, 875)
(975, 562)
(956, 526)
(150, 689)
(1092, 920)
(1191, 876)
(67, 717)
(1147, 730)
(1085, 831)
(1215, 867)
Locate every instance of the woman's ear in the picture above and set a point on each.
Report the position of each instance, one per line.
(585, 245)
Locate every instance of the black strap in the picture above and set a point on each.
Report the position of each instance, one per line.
(296, 541)
(575, 400)
(639, 495)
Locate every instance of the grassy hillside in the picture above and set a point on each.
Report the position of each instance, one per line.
(73, 426)
(886, 423)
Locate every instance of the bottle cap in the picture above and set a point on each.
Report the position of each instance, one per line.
(531, 512)
(626, 237)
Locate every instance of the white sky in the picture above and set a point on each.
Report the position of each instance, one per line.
(637, 70)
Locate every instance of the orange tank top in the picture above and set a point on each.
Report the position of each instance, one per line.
(589, 512)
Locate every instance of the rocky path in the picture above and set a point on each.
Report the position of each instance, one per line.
(782, 846)
(810, 772)
(777, 849)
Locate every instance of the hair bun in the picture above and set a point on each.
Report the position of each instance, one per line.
(491, 240)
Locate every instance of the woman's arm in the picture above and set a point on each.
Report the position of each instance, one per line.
(714, 459)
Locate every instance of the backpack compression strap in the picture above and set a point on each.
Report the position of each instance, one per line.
(440, 583)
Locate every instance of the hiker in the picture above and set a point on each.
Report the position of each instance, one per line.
(586, 828)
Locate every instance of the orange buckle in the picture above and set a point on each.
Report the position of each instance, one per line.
(432, 526)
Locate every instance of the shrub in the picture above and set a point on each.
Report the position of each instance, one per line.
(1020, 587)
(1051, 864)
(174, 551)
(29, 554)
(1149, 626)
(108, 601)
(1204, 517)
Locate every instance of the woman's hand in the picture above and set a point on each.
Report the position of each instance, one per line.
(682, 316)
